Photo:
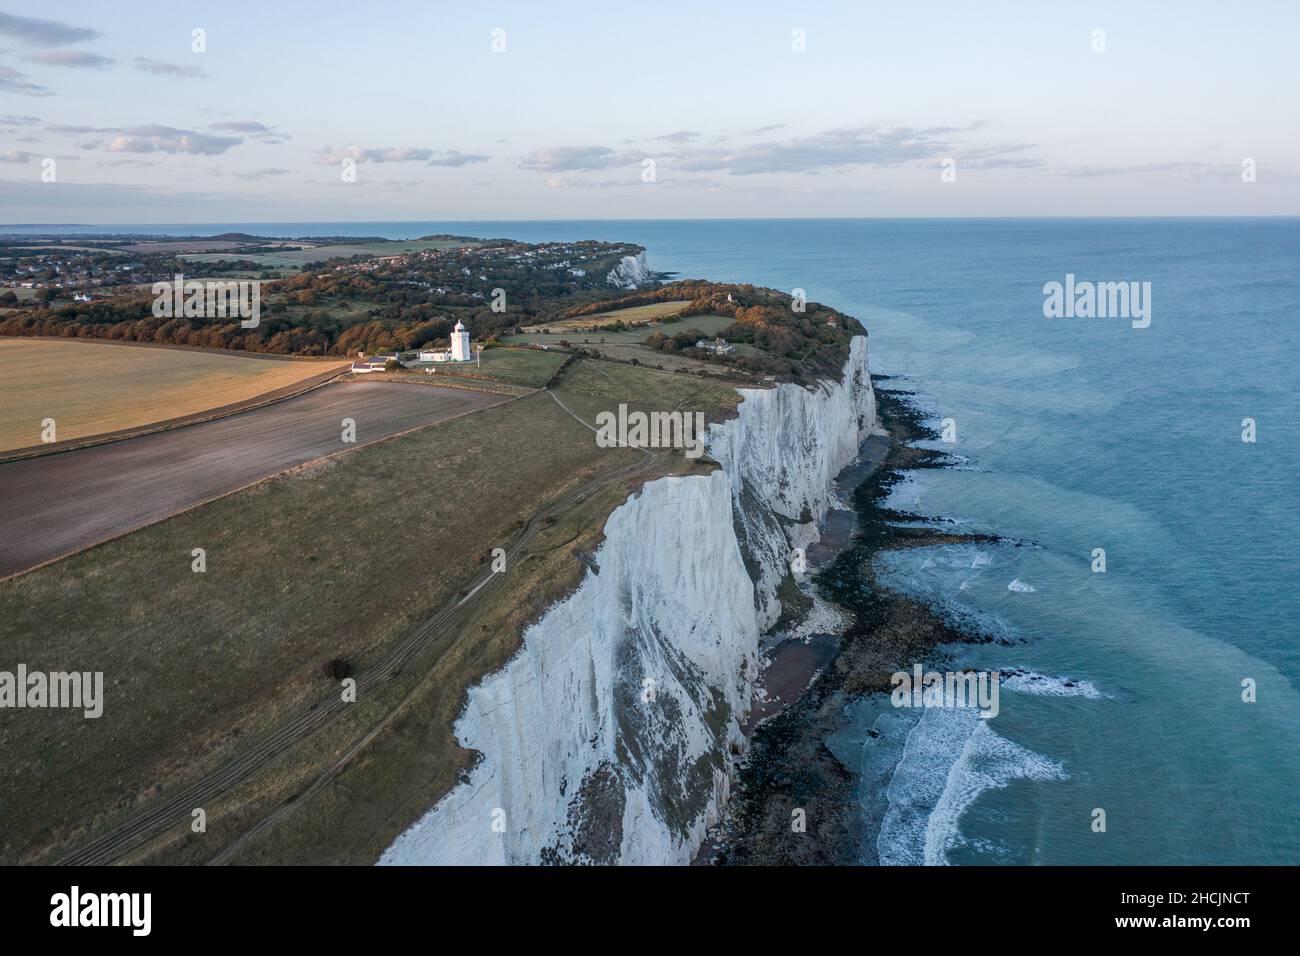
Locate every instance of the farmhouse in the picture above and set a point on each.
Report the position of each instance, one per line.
(376, 363)
(718, 346)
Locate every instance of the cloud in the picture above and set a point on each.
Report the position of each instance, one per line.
(17, 156)
(561, 159)
(265, 173)
(240, 126)
(398, 154)
(1003, 162)
(12, 120)
(760, 130)
(76, 130)
(74, 58)
(159, 68)
(454, 157)
(168, 139)
(682, 136)
(391, 154)
(254, 129)
(46, 33)
(160, 138)
(11, 81)
(1190, 168)
(834, 149)
(128, 162)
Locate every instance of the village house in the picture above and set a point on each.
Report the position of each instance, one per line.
(376, 363)
(718, 346)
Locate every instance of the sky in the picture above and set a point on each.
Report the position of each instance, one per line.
(116, 113)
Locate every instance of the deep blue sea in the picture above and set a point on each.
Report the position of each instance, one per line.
(1073, 434)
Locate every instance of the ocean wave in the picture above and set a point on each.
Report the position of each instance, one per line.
(942, 577)
(1020, 587)
(950, 758)
(1031, 682)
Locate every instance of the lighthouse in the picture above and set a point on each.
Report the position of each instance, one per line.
(460, 344)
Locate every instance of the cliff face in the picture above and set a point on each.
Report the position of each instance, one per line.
(630, 272)
(781, 455)
(608, 737)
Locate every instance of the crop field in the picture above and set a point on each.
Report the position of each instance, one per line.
(709, 325)
(651, 312)
(294, 258)
(90, 388)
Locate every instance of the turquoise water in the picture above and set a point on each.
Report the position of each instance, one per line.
(1074, 434)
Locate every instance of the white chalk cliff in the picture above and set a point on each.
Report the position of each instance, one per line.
(630, 272)
(608, 737)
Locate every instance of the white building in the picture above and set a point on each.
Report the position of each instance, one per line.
(377, 363)
(460, 343)
(460, 350)
(718, 346)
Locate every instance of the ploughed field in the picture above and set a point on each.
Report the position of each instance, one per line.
(91, 388)
(56, 504)
(650, 312)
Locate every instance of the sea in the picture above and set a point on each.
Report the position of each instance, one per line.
(1147, 627)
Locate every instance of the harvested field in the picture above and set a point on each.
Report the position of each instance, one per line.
(651, 312)
(90, 388)
(56, 504)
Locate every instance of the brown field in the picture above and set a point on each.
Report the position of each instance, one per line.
(651, 312)
(113, 488)
(90, 388)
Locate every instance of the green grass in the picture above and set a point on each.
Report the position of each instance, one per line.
(709, 325)
(336, 559)
(296, 258)
(637, 313)
(590, 387)
(528, 367)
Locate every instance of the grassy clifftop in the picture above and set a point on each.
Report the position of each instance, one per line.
(775, 334)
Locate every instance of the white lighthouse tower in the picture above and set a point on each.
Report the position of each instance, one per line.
(460, 344)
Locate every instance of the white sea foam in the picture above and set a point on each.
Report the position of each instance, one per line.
(1031, 682)
(988, 761)
(1020, 587)
(950, 758)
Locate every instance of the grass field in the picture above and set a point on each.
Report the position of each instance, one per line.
(334, 560)
(294, 258)
(651, 312)
(89, 388)
(709, 325)
(527, 367)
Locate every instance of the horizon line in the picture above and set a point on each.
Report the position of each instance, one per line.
(310, 222)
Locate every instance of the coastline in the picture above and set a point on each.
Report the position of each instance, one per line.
(789, 764)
